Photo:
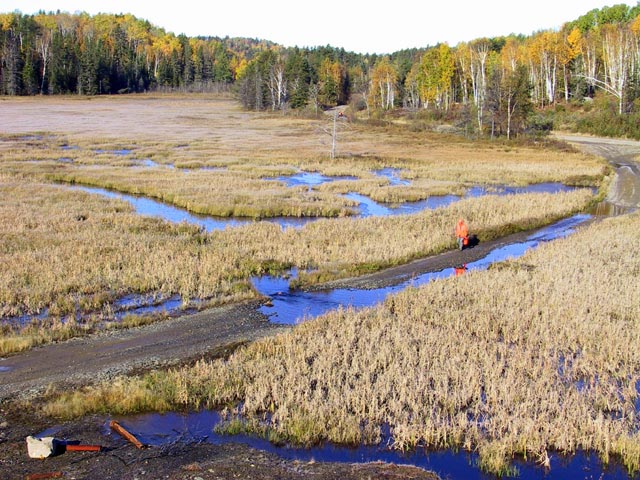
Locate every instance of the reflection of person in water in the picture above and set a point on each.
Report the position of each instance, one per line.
(460, 269)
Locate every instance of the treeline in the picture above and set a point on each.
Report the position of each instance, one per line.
(105, 54)
(489, 85)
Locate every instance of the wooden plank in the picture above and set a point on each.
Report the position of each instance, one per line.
(122, 431)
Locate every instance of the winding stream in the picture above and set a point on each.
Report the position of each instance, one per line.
(136, 305)
(292, 306)
(367, 206)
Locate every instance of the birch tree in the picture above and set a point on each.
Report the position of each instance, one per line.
(383, 84)
(277, 85)
(479, 57)
(435, 76)
(618, 61)
(411, 88)
(44, 40)
(462, 57)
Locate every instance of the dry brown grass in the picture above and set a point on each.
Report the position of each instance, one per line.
(193, 131)
(68, 251)
(64, 265)
(71, 253)
(534, 355)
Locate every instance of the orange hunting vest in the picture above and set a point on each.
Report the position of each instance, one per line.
(461, 230)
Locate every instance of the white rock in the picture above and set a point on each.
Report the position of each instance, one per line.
(40, 447)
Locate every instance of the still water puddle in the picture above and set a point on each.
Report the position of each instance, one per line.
(123, 152)
(146, 305)
(309, 179)
(394, 175)
(171, 428)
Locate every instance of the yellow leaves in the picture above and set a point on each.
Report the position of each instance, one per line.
(331, 70)
(239, 66)
(435, 73)
(47, 22)
(635, 26)
(7, 20)
(511, 54)
(166, 44)
(548, 44)
(383, 84)
(575, 41)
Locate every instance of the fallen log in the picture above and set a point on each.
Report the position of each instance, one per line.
(122, 431)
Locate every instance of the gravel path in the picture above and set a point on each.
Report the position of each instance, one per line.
(98, 357)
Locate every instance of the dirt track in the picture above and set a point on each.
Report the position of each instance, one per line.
(209, 333)
(84, 360)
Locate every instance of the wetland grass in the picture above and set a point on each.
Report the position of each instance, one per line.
(531, 356)
(249, 146)
(69, 253)
(535, 355)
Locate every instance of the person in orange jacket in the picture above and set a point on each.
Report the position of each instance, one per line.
(462, 233)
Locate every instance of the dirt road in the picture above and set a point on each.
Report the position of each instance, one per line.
(85, 360)
(210, 333)
(623, 156)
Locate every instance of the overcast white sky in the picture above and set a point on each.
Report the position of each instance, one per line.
(364, 26)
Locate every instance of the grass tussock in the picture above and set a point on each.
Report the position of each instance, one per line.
(14, 340)
(536, 356)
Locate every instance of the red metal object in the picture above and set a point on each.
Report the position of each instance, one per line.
(83, 448)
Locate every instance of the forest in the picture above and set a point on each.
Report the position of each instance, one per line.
(501, 86)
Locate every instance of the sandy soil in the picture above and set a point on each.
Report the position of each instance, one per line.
(212, 333)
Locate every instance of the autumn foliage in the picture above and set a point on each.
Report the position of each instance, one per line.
(487, 85)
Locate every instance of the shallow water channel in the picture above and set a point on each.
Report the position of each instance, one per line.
(292, 306)
(147, 305)
(164, 429)
(367, 207)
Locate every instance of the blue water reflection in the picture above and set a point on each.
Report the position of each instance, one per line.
(309, 179)
(393, 175)
(288, 306)
(170, 428)
(367, 206)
